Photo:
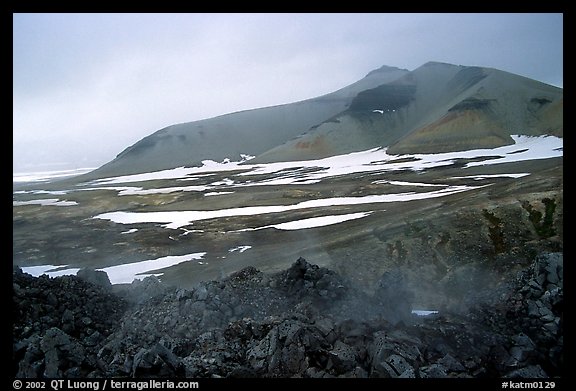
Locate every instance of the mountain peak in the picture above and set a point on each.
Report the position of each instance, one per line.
(438, 63)
(385, 69)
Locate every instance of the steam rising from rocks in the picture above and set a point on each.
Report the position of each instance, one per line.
(305, 321)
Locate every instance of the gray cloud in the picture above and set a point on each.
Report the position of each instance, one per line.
(85, 86)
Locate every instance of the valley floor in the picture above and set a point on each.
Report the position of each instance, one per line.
(204, 283)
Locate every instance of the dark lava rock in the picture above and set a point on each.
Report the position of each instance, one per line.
(306, 321)
(304, 281)
(57, 321)
(96, 277)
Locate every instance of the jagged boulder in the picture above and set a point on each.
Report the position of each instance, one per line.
(96, 277)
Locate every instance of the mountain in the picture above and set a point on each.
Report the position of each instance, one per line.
(435, 108)
(438, 107)
(250, 132)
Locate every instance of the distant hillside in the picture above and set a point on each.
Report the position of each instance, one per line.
(247, 132)
(436, 108)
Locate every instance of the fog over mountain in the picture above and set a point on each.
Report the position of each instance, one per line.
(250, 132)
(437, 107)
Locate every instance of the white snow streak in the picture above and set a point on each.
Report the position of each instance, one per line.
(120, 274)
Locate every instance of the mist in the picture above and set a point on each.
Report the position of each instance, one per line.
(87, 86)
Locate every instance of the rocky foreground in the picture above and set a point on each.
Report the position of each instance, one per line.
(306, 321)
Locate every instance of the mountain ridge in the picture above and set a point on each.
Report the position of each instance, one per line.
(191, 142)
(432, 99)
(437, 107)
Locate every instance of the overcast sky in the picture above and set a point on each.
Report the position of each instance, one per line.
(86, 86)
